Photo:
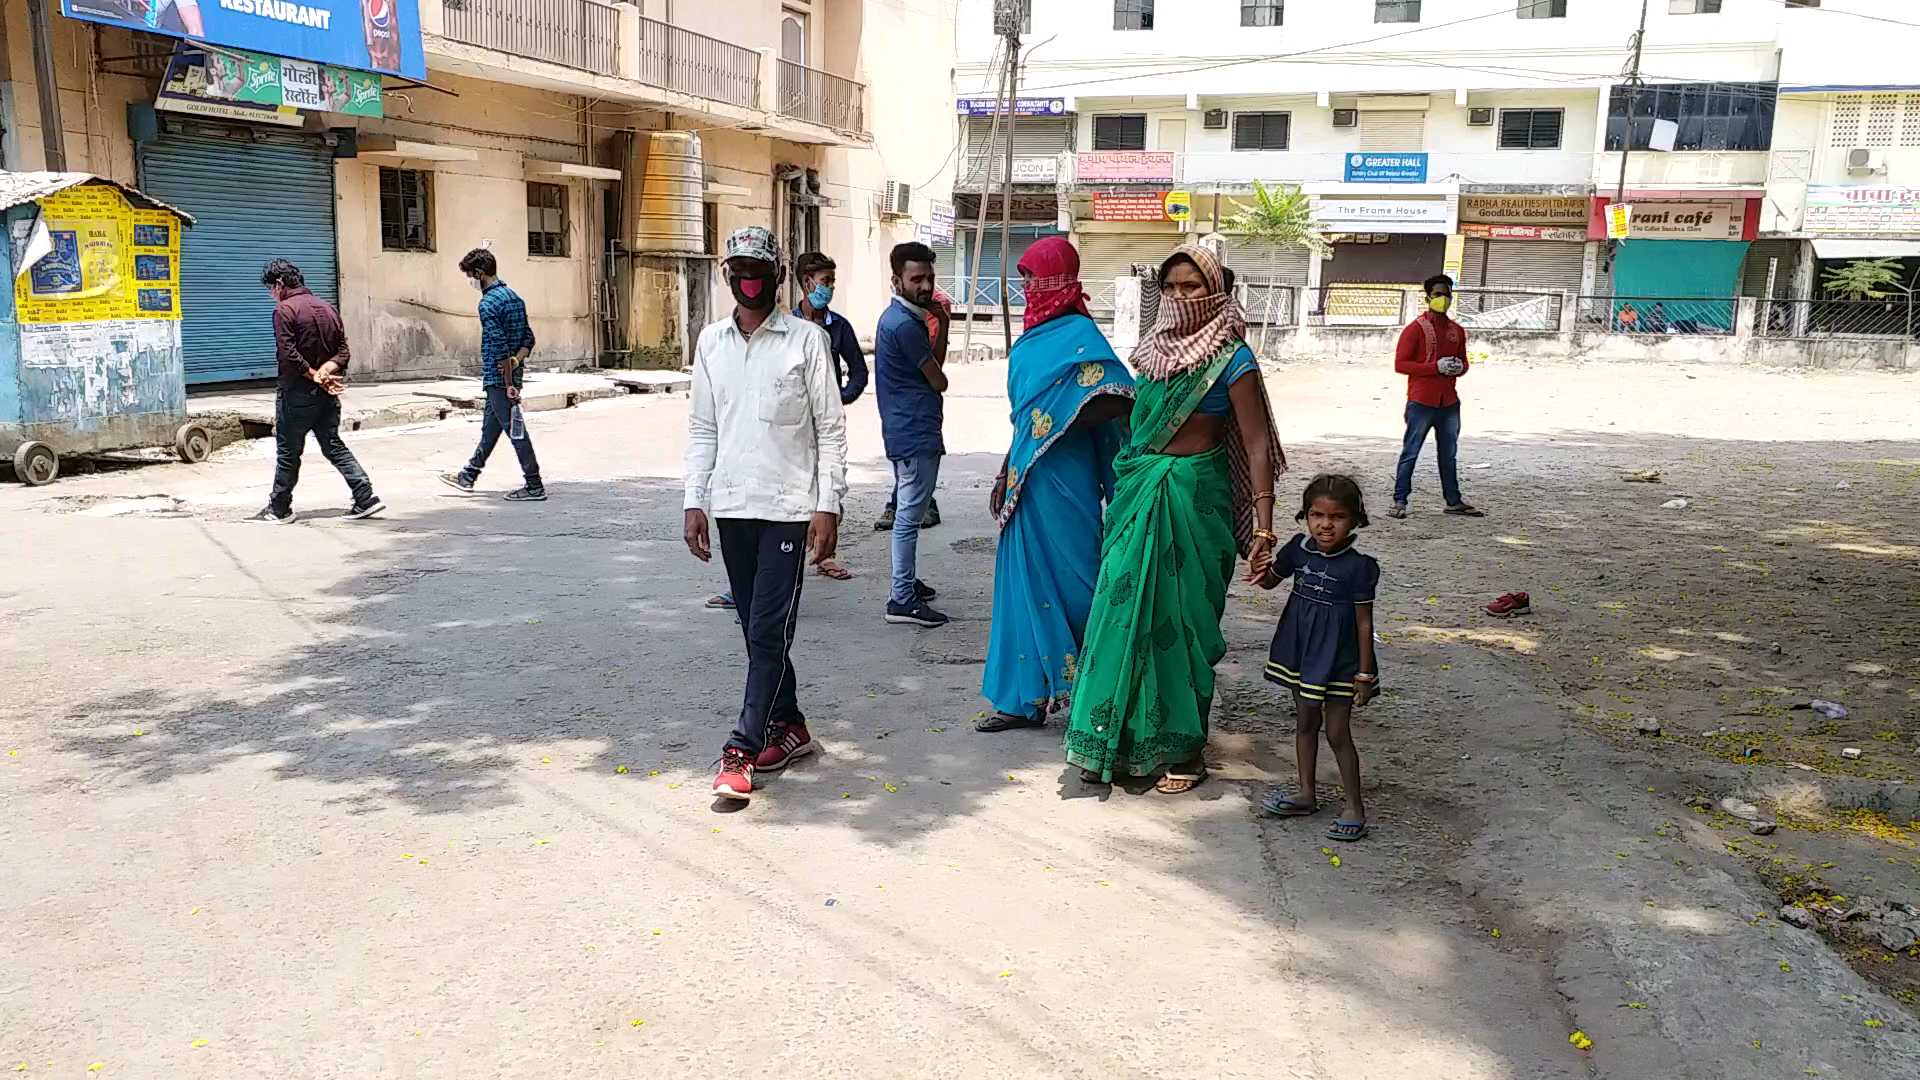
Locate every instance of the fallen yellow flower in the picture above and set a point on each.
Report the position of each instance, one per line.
(621, 770)
(1580, 1041)
(198, 1043)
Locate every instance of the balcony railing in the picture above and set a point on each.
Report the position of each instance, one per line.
(582, 34)
(819, 98)
(691, 63)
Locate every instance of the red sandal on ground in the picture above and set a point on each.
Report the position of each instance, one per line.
(1513, 603)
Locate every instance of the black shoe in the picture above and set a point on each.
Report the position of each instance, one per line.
(457, 482)
(885, 524)
(915, 614)
(924, 592)
(268, 515)
(932, 516)
(366, 509)
(527, 494)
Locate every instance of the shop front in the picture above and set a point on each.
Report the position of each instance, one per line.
(1382, 248)
(1133, 216)
(1523, 242)
(1681, 267)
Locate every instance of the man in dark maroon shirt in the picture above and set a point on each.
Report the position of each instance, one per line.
(311, 345)
(1432, 354)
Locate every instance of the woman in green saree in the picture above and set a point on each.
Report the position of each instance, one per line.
(1195, 488)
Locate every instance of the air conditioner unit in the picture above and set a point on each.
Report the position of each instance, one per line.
(896, 199)
(1860, 159)
(1346, 118)
(1214, 119)
(1480, 117)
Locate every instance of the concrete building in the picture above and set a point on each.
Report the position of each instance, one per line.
(1457, 136)
(531, 134)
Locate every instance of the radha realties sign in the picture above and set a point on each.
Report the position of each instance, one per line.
(371, 35)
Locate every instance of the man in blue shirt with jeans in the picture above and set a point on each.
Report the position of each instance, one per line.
(505, 342)
(908, 381)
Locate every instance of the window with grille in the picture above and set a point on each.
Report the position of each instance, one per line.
(1262, 12)
(1709, 116)
(1531, 129)
(1120, 133)
(1396, 11)
(1261, 130)
(1693, 7)
(1133, 14)
(406, 209)
(1543, 9)
(547, 219)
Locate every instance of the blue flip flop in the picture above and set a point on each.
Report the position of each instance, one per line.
(1346, 831)
(1277, 805)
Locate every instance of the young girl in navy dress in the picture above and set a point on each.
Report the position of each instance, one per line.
(1323, 650)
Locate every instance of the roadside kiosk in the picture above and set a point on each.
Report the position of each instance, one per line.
(90, 355)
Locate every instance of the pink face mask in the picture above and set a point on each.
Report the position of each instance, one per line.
(750, 286)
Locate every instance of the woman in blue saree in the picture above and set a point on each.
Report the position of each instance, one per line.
(1070, 396)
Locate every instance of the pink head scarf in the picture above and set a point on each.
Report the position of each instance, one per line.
(1054, 288)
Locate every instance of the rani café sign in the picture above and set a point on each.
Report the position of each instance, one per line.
(1716, 219)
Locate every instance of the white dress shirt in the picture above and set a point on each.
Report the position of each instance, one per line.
(766, 437)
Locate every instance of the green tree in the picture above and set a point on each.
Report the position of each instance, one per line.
(1282, 216)
(1872, 279)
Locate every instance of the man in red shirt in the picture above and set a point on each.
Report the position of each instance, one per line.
(1432, 354)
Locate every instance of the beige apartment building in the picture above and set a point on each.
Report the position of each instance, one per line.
(601, 150)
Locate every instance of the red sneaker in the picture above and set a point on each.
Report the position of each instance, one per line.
(1513, 603)
(736, 776)
(789, 742)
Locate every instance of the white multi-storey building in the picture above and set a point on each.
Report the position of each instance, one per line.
(1482, 138)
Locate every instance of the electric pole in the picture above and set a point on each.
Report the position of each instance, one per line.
(1006, 181)
(53, 137)
(980, 217)
(1626, 141)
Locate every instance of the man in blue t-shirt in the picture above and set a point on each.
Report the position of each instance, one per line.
(908, 380)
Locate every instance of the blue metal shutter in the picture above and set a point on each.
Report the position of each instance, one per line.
(251, 201)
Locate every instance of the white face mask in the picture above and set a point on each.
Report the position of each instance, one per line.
(475, 282)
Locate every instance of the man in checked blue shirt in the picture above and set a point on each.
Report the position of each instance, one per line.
(505, 341)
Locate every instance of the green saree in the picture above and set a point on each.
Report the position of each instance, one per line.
(1145, 684)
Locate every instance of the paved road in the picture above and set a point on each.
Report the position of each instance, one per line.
(425, 797)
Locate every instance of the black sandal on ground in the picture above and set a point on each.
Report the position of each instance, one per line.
(1007, 722)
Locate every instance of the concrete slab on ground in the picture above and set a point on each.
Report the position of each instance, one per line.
(363, 406)
(650, 382)
(542, 393)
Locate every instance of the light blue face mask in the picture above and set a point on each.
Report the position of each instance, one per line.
(820, 296)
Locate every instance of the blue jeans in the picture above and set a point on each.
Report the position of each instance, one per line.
(913, 480)
(493, 424)
(1445, 425)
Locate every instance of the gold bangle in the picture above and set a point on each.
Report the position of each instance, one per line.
(1267, 535)
(1268, 495)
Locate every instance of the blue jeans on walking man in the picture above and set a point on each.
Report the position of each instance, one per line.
(913, 480)
(498, 421)
(1444, 423)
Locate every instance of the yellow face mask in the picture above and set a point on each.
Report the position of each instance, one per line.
(1439, 304)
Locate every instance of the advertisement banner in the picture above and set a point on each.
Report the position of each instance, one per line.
(1394, 168)
(263, 89)
(1124, 166)
(1719, 220)
(941, 230)
(1479, 231)
(371, 35)
(1179, 205)
(984, 106)
(1842, 209)
(108, 260)
(1619, 221)
(1130, 205)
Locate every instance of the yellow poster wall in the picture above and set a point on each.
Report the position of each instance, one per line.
(108, 260)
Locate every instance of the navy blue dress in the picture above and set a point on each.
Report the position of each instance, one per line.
(1316, 650)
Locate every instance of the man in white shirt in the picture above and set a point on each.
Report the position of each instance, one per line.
(767, 457)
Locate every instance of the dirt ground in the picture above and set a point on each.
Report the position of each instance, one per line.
(425, 797)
